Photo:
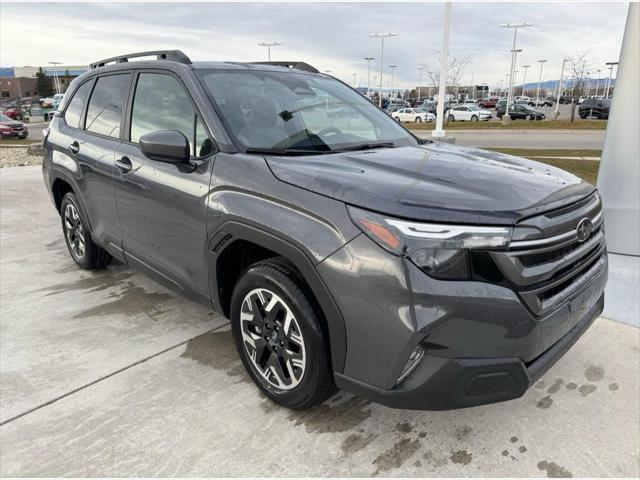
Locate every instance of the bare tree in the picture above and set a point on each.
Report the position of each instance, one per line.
(579, 64)
(455, 70)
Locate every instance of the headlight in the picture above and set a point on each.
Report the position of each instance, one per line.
(440, 250)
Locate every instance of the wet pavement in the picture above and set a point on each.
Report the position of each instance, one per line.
(110, 374)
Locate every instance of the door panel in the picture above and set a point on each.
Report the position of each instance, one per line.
(162, 209)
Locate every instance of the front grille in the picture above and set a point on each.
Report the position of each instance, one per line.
(552, 265)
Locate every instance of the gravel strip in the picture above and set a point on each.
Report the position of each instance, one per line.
(18, 157)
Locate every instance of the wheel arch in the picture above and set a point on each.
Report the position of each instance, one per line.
(61, 184)
(225, 269)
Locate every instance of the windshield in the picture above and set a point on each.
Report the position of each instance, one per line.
(4, 118)
(278, 111)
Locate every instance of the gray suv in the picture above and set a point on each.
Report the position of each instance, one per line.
(345, 251)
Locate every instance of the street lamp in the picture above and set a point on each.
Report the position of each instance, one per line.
(611, 65)
(555, 113)
(393, 68)
(382, 36)
(368, 59)
(541, 62)
(355, 76)
(524, 79)
(269, 45)
(420, 70)
(506, 118)
(598, 82)
(55, 74)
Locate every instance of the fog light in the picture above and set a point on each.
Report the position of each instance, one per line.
(412, 363)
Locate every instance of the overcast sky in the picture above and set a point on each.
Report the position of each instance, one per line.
(330, 36)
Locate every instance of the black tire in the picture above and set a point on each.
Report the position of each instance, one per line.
(528, 118)
(418, 119)
(278, 276)
(583, 116)
(474, 118)
(451, 118)
(93, 257)
(397, 119)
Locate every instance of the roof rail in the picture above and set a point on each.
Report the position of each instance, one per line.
(296, 65)
(173, 55)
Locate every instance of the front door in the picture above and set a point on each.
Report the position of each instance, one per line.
(162, 206)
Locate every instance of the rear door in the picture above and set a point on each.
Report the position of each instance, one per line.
(92, 131)
(162, 206)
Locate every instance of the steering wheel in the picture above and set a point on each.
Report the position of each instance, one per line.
(329, 130)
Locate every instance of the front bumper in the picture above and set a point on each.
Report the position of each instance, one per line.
(482, 344)
(441, 383)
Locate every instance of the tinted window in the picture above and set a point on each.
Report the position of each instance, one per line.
(106, 105)
(74, 111)
(161, 103)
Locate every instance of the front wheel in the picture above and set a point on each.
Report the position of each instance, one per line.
(418, 119)
(279, 335)
(77, 236)
(528, 118)
(474, 118)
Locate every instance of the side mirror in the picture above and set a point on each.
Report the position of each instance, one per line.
(168, 146)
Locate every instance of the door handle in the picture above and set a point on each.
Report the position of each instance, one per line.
(74, 147)
(124, 165)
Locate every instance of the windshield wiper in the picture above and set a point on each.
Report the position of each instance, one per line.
(285, 151)
(366, 146)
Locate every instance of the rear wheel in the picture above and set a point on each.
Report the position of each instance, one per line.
(451, 118)
(280, 337)
(397, 119)
(77, 236)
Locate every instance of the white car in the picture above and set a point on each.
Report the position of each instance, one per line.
(470, 113)
(413, 115)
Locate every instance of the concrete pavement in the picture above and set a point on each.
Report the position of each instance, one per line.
(567, 139)
(109, 374)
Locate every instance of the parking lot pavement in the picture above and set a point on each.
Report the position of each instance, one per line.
(109, 374)
(563, 139)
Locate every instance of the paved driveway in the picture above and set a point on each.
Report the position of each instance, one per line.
(109, 374)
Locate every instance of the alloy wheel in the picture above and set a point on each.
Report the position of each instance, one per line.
(74, 231)
(272, 339)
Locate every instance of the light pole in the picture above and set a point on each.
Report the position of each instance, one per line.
(55, 74)
(506, 118)
(393, 68)
(598, 81)
(382, 36)
(368, 59)
(541, 62)
(555, 113)
(269, 45)
(611, 65)
(439, 130)
(355, 76)
(524, 79)
(420, 70)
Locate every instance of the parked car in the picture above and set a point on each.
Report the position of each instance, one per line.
(489, 102)
(14, 113)
(471, 113)
(521, 112)
(565, 99)
(416, 274)
(594, 107)
(416, 115)
(10, 128)
(429, 106)
(522, 99)
(542, 102)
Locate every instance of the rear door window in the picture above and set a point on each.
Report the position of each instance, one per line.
(106, 105)
(73, 113)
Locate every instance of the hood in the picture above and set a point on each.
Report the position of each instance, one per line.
(435, 182)
(12, 123)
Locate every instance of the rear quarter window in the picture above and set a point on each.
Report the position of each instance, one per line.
(73, 113)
